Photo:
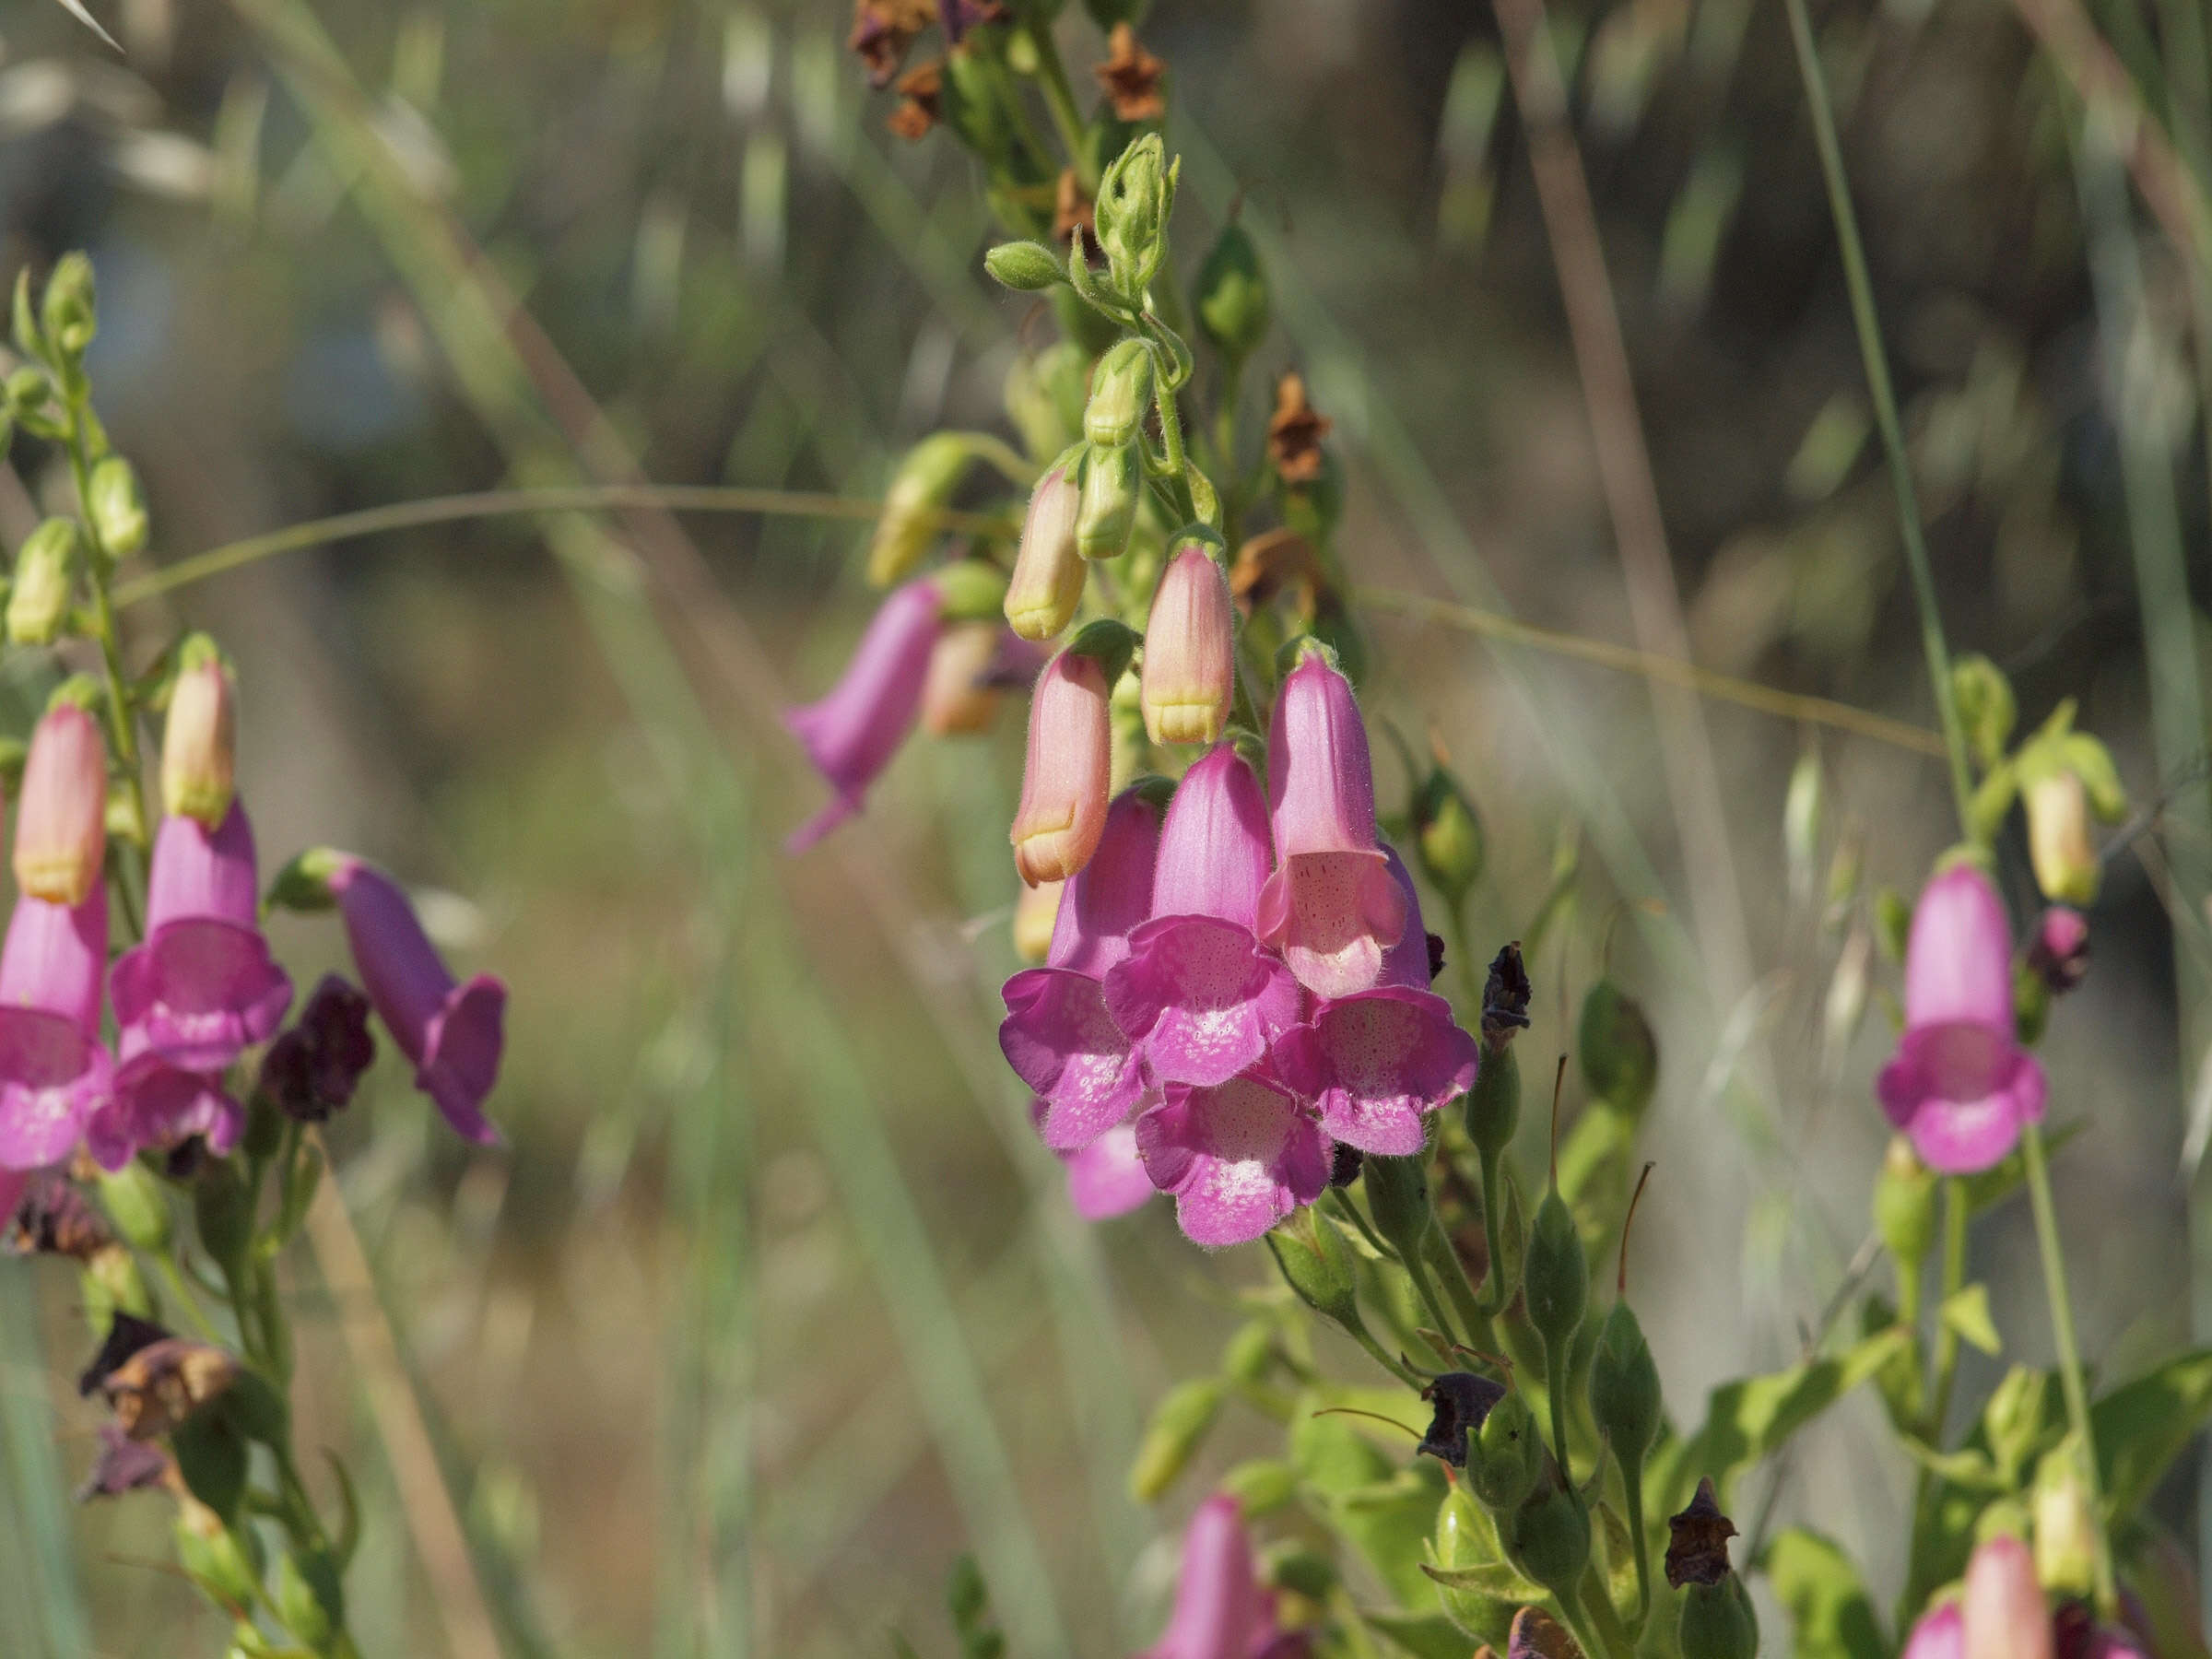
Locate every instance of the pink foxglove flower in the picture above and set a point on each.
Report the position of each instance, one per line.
(203, 986)
(453, 1032)
(61, 829)
(1198, 993)
(155, 1103)
(1331, 907)
(852, 734)
(1064, 782)
(1057, 1035)
(1221, 1609)
(1107, 1178)
(1376, 1063)
(53, 1068)
(1190, 651)
(1940, 1634)
(1960, 1085)
(2003, 1612)
(1238, 1155)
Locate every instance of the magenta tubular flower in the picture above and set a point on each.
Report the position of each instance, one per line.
(1058, 1035)
(1960, 1085)
(203, 986)
(453, 1032)
(1064, 780)
(1107, 1179)
(1331, 907)
(61, 827)
(852, 734)
(155, 1103)
(1940, 1634)
(1238, 1155)
(1218, 1605)
(54, 1068)
(1197, 992)
(1374, 1063)
(2003, 1612)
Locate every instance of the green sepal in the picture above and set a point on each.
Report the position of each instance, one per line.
(1111, 644)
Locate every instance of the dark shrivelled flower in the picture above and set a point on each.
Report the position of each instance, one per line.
(312, 1069)
(1462, 1400)
(1697, 1550)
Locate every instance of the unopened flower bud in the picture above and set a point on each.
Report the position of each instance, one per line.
(308, 1597)
(1048, 572)
(1506, 1458)
(61, 828)
(1986, 707)
(1466, 1541)
(2066, 1531)
(1625, 1398)
(1620, 1057)
(1261, 1485)
(1447, 836)
(1179, 1427)
(917, 493)
(199, 743)
(1190, 651)
(29, 392)
(38, 605)
(117, 508)
(1064, 780)
(1026, 267)
(68, 314)
(2059, 846)
(1556, 1279)
(1548, 1538)
(958, 696)
(2006, 1615)
(2059, 954)
(1121, 392)
(1318, 1264)
(1397, 1195)
(1036, 911)
(1136, 196)
(1718, 1621)
(134, 1202)
(1112, 484)
(1232, 296)
(1044, 397)
(1904, 1206)
(214, 1560)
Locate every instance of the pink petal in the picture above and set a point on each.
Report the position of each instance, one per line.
(461, 1056)
(1331, 914)
(1060, 1041)
(1239, 1157)
(1200, 997)
(51, 1077)
(1107, 1178)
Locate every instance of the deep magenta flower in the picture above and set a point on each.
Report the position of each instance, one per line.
(1058, 1035)
(852, 734)
(1374, 1063)
(1107, 1178)
(453, 1032)
(1331, 907)
(53, 1068)
(1960, 1085)
(1221, 1609)
(155, 1103)
(1238, 1155)
(203, 986)
(1197, 992)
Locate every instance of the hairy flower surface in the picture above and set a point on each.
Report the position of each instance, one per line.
(61, 828)
(1063, 810)
(53, 1068)
(1961, 1084)
(852, 734)
(1238, 1156)
(156, 1104)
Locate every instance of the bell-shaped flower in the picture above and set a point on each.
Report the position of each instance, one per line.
(2004, 1611)
(155, 1103)
(1105, 1178)
(1058, 1035)
(1064, 780)
(1331, 907)
(1190, 651)
(1048, 572)
(53, 1068)
(61, 828)
(1198, 994)
(452, 1033)
(1219, 1604)
(1940, 1634)
(203, 986)
(1238, 1155)
(1374, 1063)
(1960, 1085)
(852, 734)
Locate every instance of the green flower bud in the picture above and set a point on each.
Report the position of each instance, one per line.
(1986, 707)
(1247, 1355)
(113, 1284)
(134, 1202)
(1466, 1538)
(919, 489)
(1624, 1386)
(1447, 836)
(1620, 1057)
(1121, 391)
(214, 1559)
(1044, 397)
(1318, 1264)
(69, 314)
(303, 885)
(29, 392)
(117, 508)
(309, 1597)
(253, 1406)
(1505, 1459)
(1718, 1621)
(1232, 297)
(1397, 1195)
(1494, 1103)
(2066, 1531)
(1555, 1281)
(1261, 1485)
(38, 605)
(1547, 1539)
(1026, 267)
(224, 1211)
(1179, 1427)
(1112, 485)
(1904, 1206)
(1136, 197)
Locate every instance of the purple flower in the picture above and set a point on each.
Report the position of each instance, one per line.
(1940, 1634)
(312, 1069)
(1221, 1610)
(1238, 1155)
(155, 1103)
(1331, 907)
(1107, 1178)
(1376, 1062)
(852, 734)
(1198, 994)
(2060, 951)
(204, 986)
(1057, 1035)
(53, 1068)
(1960, 1085)
(451, 1032)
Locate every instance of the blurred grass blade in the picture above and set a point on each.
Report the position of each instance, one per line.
(76, 9)
(38, 1590)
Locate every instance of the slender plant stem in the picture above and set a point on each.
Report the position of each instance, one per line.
(2069, 1360)
(1425, 1287)
(1382, 1356)
(172, 1278)
(1461, 1291)
(1060, 99)
(1632, 1480)
(1582, 1625)
(1493, 1223)
(1868, 325)
(1555, 1389)
(1954, 1280)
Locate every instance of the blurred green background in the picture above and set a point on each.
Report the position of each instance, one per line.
(772, 1305)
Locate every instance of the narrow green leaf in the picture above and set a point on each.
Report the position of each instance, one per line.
(1831, 1613)
(1967, 1314)
(2141, 1426)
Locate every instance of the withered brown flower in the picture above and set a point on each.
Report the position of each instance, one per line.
(53, 1217)
(883, 29)
(1536, 1635)
(1295, 433)
(921, 95)
(1132, 76)
(161, 1383)
(1271, 563)
(1505, 994)
(1697, 1552)
(1071, 211)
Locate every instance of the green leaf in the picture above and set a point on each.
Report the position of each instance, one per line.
(1389, 1522)
(1967, 1314)
(1426, 1636)
(2141, 1426)
(1831, 1613)
(211, 1456)
(2025, 1418)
